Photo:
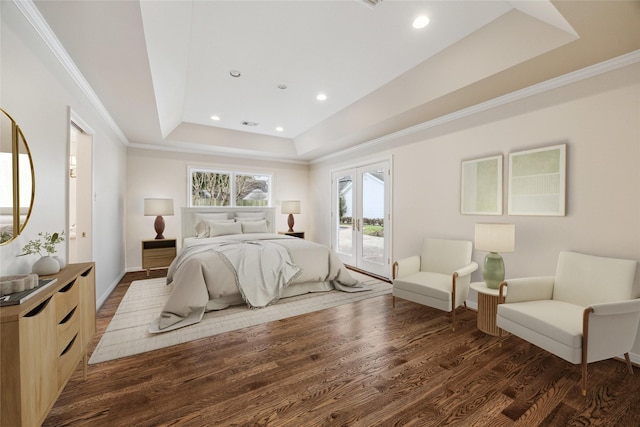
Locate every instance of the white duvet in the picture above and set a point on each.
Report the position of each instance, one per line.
(259, 269)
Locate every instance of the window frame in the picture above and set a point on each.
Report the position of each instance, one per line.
(233, 174)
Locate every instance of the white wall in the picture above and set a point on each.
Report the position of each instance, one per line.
(601, 128)
(164, 174)
(37, 92)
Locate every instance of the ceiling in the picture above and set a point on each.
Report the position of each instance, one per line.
(161, 69)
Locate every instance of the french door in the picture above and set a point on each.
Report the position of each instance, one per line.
(361, 219)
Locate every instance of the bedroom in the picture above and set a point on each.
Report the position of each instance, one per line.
(597, 117)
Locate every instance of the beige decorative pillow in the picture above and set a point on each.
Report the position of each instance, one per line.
(200, 222)
(255, 226)
(219, 228)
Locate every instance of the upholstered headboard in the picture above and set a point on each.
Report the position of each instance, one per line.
(188, 216)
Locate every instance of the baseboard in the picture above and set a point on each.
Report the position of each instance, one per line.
(104, 296)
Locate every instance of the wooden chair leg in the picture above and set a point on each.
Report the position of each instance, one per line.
(585, 346)
(584, 377)
(393, 302)
(626, 357)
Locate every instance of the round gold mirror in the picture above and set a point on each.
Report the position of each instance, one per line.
(16, 179)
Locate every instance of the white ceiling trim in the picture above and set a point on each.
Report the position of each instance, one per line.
(215, 151)
(33, 15)
(555, 83)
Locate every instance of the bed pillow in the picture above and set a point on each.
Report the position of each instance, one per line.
(248, 219)
(202, 227)
(254, 226)
(200, 222)
(258, 215)
(219, 228)
(208, 216)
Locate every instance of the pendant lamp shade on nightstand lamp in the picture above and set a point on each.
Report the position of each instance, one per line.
(158, 208)
(494, 238)
(290, 207)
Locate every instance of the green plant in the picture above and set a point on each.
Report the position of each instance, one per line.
(46, 242)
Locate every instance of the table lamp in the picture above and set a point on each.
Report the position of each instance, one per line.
(158, 208)
(494, 238)
(290, 207)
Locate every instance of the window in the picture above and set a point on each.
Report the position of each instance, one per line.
(222, 188)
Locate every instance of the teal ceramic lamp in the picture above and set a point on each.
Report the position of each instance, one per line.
(494, 238)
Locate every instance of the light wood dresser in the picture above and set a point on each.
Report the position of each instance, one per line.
(41, 342)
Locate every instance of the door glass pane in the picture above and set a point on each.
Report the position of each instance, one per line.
(345, 214)
(373, 216)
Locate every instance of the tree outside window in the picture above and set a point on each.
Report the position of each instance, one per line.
(214, 188)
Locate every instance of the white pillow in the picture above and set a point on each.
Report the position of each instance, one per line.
(248, 219)
(254, 226)
(208, 216)
(218, 228)
(250, 215)
(200, 222)
(202, 227)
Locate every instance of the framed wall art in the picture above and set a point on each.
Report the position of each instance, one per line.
(537, 181)
(481, 186)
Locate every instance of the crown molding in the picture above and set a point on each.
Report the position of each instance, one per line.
(555, 83)
(236, 153)
(37, 21)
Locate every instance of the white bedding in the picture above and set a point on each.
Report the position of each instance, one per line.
(257, 269)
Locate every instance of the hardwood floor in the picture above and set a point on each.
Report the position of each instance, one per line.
(363, 364)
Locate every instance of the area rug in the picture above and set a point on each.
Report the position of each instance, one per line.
(127, 334)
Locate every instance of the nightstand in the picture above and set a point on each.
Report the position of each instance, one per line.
(487, 307)
(299, 234)
(158, 253)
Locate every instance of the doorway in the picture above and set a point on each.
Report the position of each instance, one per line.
(361, 217)
(80, 190)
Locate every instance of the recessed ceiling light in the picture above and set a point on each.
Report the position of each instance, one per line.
(321, 97)
(235, 73)
(420, 22)
(216, 118)
(279, 128)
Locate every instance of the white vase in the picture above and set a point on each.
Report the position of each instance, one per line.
(45, 266)
(61, 261)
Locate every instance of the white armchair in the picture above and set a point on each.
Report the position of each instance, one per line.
(439, 277)
(585, 313)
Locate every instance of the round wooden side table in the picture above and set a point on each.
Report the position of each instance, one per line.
(487, 307)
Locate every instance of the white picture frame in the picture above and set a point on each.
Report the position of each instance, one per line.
(481, 186)
(537, 181)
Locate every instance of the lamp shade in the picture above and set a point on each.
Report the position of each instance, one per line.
(495, 237)
(290, 207)
(158, 207)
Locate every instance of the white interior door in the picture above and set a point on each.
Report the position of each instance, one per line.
(80, 211)
(361, 217)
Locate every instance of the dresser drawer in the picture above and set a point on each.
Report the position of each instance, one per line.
(67, 329)
(67, 299)
(68, 360)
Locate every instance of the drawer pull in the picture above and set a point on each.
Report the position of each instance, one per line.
(86, 273)
(69, 345)
(68, 316)
(37, 310)
(66, 288)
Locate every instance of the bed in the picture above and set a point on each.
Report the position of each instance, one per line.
(233, 256)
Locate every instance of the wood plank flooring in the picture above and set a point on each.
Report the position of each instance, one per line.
(363, 364)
